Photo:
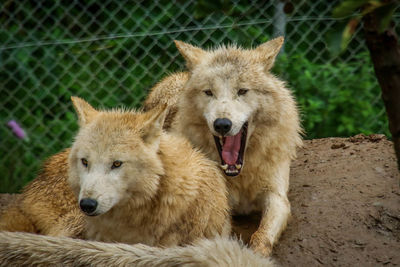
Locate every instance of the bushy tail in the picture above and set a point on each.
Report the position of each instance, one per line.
(24, 249)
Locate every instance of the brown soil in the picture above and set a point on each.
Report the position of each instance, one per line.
(345, 205)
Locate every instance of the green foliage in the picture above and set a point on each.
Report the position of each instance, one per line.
(385, 13)
(356, 10)
(348, 7)
(37, 81)
(334, 98)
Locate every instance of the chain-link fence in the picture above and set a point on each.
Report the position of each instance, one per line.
(111, 52)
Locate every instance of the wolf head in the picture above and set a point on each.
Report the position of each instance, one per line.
(228, 89)
(114, 157)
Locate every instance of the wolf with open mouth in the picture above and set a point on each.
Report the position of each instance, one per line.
(240, 115)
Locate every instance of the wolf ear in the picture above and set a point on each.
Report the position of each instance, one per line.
(269, 51)
(191, 53)
(84, 110)
(153, 125)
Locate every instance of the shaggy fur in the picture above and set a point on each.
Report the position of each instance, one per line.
(165, 92)
(234, 83)
(46, 206)
(163, 194)
(34, 250)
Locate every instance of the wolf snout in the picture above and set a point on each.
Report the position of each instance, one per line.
(88, 206)
(222, 126)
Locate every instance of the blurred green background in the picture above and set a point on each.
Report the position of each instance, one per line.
(111, 52)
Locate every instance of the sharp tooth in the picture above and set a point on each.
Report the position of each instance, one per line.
(221, 140)
(224, 167)
(238, 166)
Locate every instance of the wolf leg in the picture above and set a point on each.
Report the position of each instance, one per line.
(273, 222)
(276, 212)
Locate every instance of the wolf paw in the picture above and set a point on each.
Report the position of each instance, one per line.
(260, 244)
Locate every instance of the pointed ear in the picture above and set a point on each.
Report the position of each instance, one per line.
(269, 51)
(153, 125)
(84, 110)
(192, 54)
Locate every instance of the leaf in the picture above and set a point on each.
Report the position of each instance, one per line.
(385, 14)
(348, 32)
(339, 37)
(347, 8)
(334, 38)
(371, 6)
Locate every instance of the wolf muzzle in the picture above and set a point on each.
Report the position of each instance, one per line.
(88, 206)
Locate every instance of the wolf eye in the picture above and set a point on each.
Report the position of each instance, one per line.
(84, 162)
(116, 164)
(242, 91)
(208, 92)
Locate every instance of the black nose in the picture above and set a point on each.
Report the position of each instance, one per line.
(223, 125)
(88, 205)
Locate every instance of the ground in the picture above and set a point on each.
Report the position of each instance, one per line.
(345, 205)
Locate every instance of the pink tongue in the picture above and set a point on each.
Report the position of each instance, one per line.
(230, 150)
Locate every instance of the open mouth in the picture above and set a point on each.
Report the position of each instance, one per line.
(231, 151)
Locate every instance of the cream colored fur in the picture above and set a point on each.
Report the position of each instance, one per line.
(164, 193)
(18, 249)
(47, 205)
(273, 125)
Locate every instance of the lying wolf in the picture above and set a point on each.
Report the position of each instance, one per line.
(23, 249)
(135, 183)
(231, 107)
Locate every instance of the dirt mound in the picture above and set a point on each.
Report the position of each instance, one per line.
(345, 205)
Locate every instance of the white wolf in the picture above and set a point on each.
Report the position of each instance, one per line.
(137, 184)
(231, 107)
